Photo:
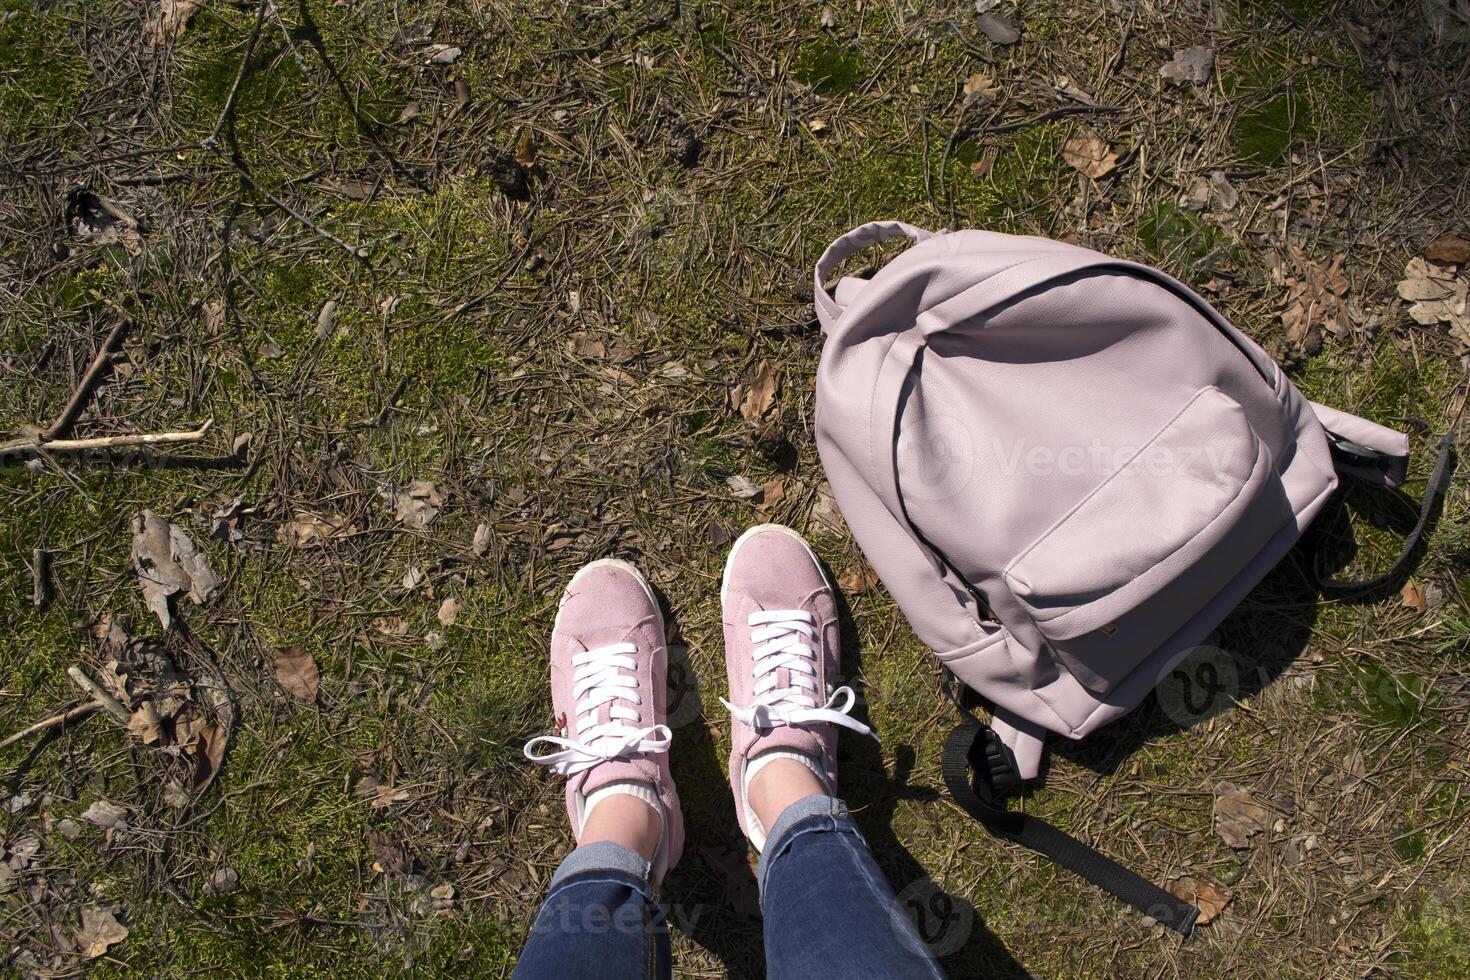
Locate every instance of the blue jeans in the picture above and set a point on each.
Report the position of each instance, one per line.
(828, 910)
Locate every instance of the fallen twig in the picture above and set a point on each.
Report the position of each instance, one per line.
(73, 714)
(79, 397)
(39, 444)
(40, 577)
(356, 251)
(100, 695)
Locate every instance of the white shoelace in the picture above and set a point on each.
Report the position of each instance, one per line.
(601, 676)
(782, 639)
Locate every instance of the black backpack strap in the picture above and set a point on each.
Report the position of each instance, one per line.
(978, 766)
(1350, 456)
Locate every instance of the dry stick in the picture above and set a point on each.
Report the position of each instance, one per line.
(212, 140)
(74, 714)
(40, 576)
(89, 380)
(103, 699)
(18, 447)
(355, 251)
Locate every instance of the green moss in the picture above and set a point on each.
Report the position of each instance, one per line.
(1171, 232)
(210, 59)
(1029, 173)
(1384, 384)
(827, 66)
(499, 698)
(1286, 105)
(1435, 935)
(42, 71)
(1411, 848)
(1265, 131)
(1390, 698)
(1303, 11)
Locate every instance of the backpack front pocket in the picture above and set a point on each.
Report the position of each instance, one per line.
(1142, 553)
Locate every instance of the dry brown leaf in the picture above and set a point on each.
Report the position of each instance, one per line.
(107, 815)
(449, 611)
(388, 795)
(297, 673)
(858, 578)
(173, 16)
(209, 755)
(1209, 899)
(100, 931)
(146, 724)
(326, 320)
(825, 512)
(1090, 155)
(390, 625)
(1412, 596)
(1316, 295)
(771, 493)
(1237, 816)
(1194, 64)
(417, 506)
(167, 562)
(175, 795)
(391, 856)
(1437, 295)
(188, 725)
(760, 395)
(114, 677)
(307, 530)
(584, 344)
(1448, 249)
(980, 88)
(743, 487)
(109, 631)
(999, 29)
(525, 153)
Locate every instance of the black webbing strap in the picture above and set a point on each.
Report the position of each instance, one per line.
(967, 772)
(1439, 481)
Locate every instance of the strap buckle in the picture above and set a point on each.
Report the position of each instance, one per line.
(992, 760)
(1349, 453)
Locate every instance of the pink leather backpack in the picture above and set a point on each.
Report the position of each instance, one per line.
(1067, 469)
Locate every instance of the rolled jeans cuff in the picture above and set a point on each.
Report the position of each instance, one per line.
(605, 856)
(817, 812)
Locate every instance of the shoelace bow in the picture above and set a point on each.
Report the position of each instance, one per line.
(782, 639)
(601, 676)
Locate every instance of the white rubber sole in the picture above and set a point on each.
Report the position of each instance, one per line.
(760, 529)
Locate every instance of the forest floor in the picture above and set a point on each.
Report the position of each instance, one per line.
(475, 292)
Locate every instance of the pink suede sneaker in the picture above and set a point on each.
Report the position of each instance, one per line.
(781, 652)
(609, 676)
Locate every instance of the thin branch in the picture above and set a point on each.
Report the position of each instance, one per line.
(66, 717)
(357, 252)
(227, 114)
(79, 397)
(100, 695)
(38, 446)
